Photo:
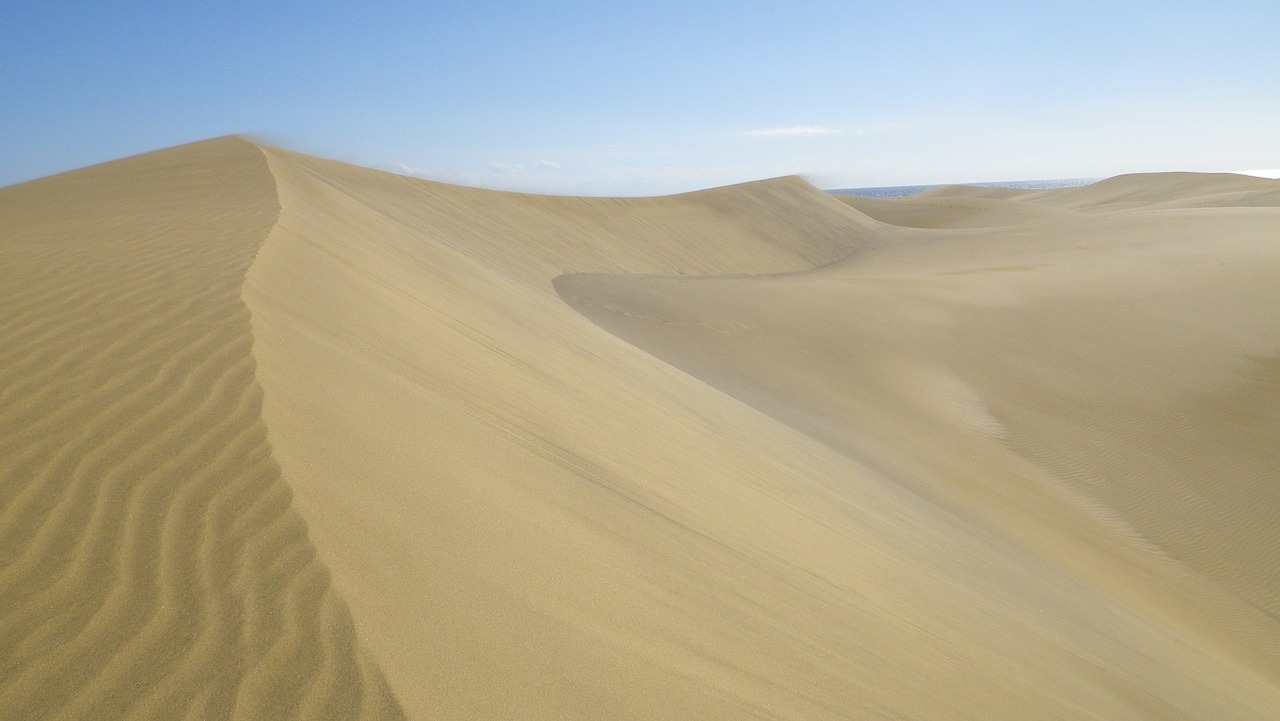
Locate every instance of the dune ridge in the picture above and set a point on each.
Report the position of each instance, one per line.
(152, 564)
(286, 437)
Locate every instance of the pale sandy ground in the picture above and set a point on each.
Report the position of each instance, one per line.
(282, 437)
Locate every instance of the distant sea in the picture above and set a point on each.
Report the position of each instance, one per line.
(902, 191)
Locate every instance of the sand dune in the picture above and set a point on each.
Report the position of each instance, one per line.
(284, 437)
(1156, 190)
(153, 564)
(952, 209)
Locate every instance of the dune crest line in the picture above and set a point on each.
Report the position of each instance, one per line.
(151, 564)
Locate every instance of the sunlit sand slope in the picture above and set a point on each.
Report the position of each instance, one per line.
(530, 518)
(533, 519)
(151, 565)
(1103, 389)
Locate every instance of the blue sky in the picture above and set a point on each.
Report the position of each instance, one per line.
(635, 98)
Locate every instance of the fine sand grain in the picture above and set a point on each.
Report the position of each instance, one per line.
(286, 438)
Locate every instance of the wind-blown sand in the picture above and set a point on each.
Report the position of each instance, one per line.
(286, 438)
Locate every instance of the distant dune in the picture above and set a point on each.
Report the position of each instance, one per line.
(282, 437)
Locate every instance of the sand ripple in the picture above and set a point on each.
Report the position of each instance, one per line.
(151, 565)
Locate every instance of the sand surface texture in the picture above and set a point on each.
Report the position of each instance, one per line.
(286, 438)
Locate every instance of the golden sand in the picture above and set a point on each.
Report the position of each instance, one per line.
(286, 438)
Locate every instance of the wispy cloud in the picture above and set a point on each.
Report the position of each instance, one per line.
(506, 170)
(404, 169)
(793, 131)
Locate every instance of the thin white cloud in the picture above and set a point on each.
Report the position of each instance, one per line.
(505, 170)
(793, 132)
(403, 169)
(547, 164)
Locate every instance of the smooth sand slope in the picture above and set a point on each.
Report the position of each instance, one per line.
(286, 437)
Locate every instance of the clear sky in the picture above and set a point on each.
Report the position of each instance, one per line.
(646, 97)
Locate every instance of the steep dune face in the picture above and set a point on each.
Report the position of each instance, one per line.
(529, 517)
(151, 565)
